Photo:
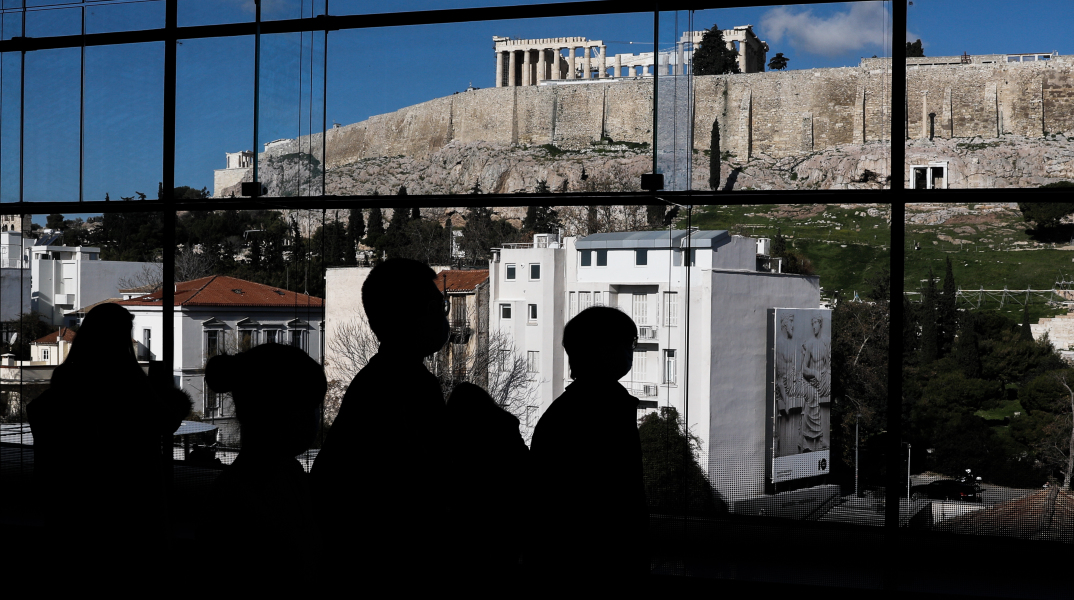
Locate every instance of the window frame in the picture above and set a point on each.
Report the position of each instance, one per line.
(531, 267)
(505, 311)
(510, 272)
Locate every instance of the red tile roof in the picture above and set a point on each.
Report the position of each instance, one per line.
(461, 281)
(64, 333)
(220, 290)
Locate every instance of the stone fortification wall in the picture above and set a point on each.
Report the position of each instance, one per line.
(1022, 99)
(774, 114)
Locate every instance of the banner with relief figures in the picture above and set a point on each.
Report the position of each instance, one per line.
(801, 393)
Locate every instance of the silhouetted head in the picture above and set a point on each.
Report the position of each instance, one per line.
(600, 343)
(104, 337)
(467, 397)
(278, 391)
(404, 308)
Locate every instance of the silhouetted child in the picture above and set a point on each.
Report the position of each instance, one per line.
(488, 466)
(107, 520)
(592, 516)
(379, 475)
(262, 509)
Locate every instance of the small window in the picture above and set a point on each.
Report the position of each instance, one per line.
(44, 354)
(214, 341)
(505, 311)
(535, 272)
(510, 276)
(1013, 59)
(1045, 57)
(533, 361)
(298, 339)
(602, 258)
(147, 341)
(587, 258)
(641, 257)
(573, 303)
(271, 336)
(669, 366)
(503, 360)
(533, 312)
(247, 339)
(671, 309)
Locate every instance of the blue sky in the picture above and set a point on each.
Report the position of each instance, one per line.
(377, 71)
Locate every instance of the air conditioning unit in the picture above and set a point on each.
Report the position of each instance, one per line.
(651, 389)
(647, 332)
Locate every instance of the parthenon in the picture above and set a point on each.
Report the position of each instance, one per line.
(542, 61)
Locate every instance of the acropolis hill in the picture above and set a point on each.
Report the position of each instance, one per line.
(777, 118)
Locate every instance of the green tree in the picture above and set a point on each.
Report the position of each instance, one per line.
(654, 215)
(542, 187)
(946, 312)
(930, 350)
(669, 458)
(374, 228)
(1046, 215)
(793, 260)
(879, 285)
(1027, 331)
(966, 351)
(541, 219)
(54, 221)
(712, 56)
(778, 62)
(355, 232)
(1048, 427)
(714, 156)
(914, 49)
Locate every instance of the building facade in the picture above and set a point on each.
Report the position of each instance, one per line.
(705, 291)
(216, 315)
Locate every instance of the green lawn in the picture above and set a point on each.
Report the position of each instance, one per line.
(1005, 410)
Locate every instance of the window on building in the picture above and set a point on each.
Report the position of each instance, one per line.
(212, 403)
(505, 311)
(458, 312)
(535, 272)
(532, 312)
(147, 344)
(669, 366)
(602, 258)
(214, 343)
(298, 338)
(671, 309)
(640, 309)
(584, 301)
(503, 360)
(532, 413)
(640, 370)
(45, 354)
(641, 257)
(586, 258)
(247, 339)
(509, 272)
(533, 361)
(572, 303)
(271, 336)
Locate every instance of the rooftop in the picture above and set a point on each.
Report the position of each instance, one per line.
(220, 290)
(64, 333)
(460, 281)
(675, 238)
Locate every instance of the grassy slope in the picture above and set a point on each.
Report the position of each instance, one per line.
(845, 248)
(992, 268)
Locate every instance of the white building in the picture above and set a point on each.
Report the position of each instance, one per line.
(65, 278)
(720, 304)
(14, 275)
(220, 314)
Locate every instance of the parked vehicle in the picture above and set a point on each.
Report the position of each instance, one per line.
(947, 489)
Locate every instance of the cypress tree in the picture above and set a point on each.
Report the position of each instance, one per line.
(929, 331)
(714, 157)
(712, 56)
(375, 228)
(1027, 331)
(947, 314)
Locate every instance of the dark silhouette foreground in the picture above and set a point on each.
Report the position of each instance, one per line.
(105, 518)
(379, 475)
(262, 509)
(586, 455)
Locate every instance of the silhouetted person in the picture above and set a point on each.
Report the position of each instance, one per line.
(98, 460)
(592, 517)
(488, 465)
(379, 475)
(262, 509)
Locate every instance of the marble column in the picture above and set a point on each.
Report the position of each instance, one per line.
(570, 63)
(632, 71)
(499, 69)
(512, 67)
(603, 62)
(527, 68)
(557, 61)
(618, 72)
(542, 65)
(679, 56)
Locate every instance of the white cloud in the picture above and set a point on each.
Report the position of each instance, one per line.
(863, 24)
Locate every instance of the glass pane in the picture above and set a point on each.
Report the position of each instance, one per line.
(452, 129)
(124, 118)
(51, 135)
(214, 132)
(10, 104)
(986, 119)
(212, 12)
(983, 378)
(291, 107)
(816, 118)
(53, 21)
(353, 7)
(103, 18)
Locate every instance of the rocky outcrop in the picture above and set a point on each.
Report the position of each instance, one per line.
(1010, 161)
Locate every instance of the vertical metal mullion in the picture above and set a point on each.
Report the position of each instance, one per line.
(257, 78)
(168, 221)
(82, 113)
(656, 81)
(897, 268)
